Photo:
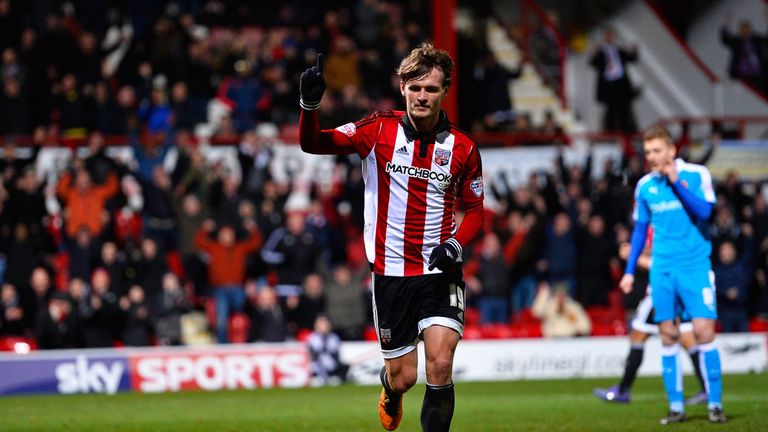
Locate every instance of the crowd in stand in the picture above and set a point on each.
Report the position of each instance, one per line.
(110, 250)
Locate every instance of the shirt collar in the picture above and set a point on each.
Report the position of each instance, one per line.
(443, 125)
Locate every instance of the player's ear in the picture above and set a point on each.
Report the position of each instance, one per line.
(402, 88)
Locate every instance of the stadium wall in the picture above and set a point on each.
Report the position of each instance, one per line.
(252, 366)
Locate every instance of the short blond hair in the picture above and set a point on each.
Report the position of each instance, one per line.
(658, 132)
(422, 60)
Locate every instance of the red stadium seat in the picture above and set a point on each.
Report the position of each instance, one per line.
(17, 344)
(758, 325)
(526, 330)
(210, 311)
(239, 324)
(174, 263)
(303, 335)
(472, 332)
(496, 331)
(370, 334)
(61, 270)
(524, 316)
(471, 316)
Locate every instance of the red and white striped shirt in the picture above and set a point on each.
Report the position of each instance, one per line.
(412, 183)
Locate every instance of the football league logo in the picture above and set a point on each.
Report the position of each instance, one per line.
(442, 157)
(348, 129)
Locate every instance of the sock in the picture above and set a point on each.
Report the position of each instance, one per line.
(437, 409)
(634, 360)
(672, 374)
(385, 382)
(709, 361)
(694, 353)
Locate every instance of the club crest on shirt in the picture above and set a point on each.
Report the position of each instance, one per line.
(386, 335)
(477, 186)
(442, 156)
(348, 129)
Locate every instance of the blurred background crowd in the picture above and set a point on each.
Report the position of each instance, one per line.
(112, 249)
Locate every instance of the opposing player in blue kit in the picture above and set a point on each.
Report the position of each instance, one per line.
(676, 198)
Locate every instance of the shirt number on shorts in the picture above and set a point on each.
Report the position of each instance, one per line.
(456, 296)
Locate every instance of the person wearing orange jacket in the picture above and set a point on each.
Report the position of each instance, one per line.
(84, 201)
(226, 268)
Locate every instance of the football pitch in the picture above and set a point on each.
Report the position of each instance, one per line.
(563, 405)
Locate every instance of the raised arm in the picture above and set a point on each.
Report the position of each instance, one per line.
(341, 141)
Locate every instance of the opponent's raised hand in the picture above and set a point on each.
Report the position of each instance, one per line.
(312, 85)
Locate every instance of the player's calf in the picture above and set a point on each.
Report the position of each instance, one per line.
(390, 404)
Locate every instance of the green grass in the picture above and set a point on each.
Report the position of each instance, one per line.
(497, 406)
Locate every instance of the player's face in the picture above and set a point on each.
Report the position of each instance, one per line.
(658, 153)
(424, 96)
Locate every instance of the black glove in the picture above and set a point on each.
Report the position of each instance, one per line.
(445, 255)
(312, 86)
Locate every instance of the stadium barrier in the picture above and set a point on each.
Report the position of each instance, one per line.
(252, 366)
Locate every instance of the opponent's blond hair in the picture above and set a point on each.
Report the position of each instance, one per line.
(658, 132)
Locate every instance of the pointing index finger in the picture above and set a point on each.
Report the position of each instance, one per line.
(320, 61)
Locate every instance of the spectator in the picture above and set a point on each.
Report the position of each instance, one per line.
(345, 301)
(70, 107)
(113, 262)
(559, 261)
(156, 113)
(293, 252)
(614, 88)
(137, 327)
(158, 212)
(243, 94)
(11, 313)
(14, 109)
(13, 164)
(748, 61)
(255, 157)
(191, 215)
(596, 253)
(150, 153)
(149, 269)
(493, 282)
(24, 251)
(82, 253)
(521, 250)
(171, 306)
(343, 65)
(226, 269)
(732, 276)
(41, 287)
(98, 163)
(99, 312)
(324, 350)
(185, 114)
(496, 101)
(267, 320)
(311, 302)
(560, 315)
(57, 327)
(85, 202)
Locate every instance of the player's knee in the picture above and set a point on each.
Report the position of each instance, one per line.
(705, 335)
(439, 370)
(669, 334)
(403, 380)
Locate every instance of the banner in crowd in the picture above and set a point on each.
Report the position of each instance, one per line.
(151, 370)
(747, 158)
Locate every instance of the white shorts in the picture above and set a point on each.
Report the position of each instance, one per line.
(643, 321)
